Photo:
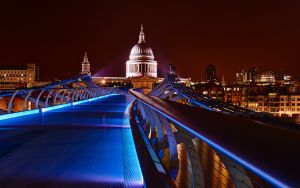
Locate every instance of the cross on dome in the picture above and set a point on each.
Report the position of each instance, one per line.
(142, 35)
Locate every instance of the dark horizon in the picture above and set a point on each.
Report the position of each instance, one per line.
(189, 35)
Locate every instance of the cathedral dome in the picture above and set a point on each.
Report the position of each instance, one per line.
(141, 60)
(141, 51)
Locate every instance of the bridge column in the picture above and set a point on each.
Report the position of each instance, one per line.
(86, 95)
(11, 101)
(75, 93)
(148, 127)
(38, 99)
(212, 164)
(101, 91)
(83, 90)
(78, 95)
(173, 159)
(56, 95)
(83, 95)
(26, 99)
(68, 96)
(65, 95)
(96, 92)
(93, 92)
(237, 173)
(156, 128)
(48, 96)
(196, 167)
(154, 121)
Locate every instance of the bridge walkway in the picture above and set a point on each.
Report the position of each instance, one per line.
(84, 145)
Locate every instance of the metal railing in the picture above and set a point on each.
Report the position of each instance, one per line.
(172, 89)
(73, 89)
(183, 158)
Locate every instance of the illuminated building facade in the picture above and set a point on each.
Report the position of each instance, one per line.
(16, 76)
(234, 94)
(85, 65)
(210, 89)
(246, 76)
(267, 77)
(289, 105)
(277, 94)
(279, 101)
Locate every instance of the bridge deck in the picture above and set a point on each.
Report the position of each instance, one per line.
(87, 145)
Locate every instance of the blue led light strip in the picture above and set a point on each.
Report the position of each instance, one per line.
(46, 109)
(202, 105)
(246, 164)
(18, 114)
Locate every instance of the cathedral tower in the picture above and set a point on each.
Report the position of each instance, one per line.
(85, 65)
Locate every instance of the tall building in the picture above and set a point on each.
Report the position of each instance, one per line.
(171, 69)
(246, 76)
(267, 77)
(141, 60)
(85, 65)
(210, 72)
(16, 76)
(241, 76)
(252, 74)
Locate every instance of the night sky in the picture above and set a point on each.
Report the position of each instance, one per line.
(189, 34)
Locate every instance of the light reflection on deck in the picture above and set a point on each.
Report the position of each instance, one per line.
(86, 145)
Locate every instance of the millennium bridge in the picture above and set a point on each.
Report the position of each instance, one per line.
(74, 133)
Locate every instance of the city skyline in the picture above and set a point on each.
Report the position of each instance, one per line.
(184, 34)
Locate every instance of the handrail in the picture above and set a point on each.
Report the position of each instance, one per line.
(210, 131)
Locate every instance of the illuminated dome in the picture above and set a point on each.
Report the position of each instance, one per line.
(141, 51)
(141, 59)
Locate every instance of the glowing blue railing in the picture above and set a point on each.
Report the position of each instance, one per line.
(46, 109)
(248, 174)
